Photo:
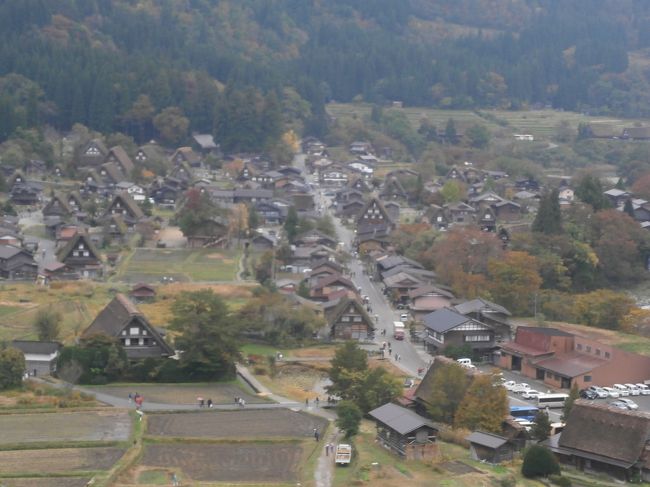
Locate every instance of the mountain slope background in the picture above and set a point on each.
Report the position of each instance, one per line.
(90, 61)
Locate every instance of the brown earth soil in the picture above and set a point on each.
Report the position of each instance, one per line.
(265, 423)
(58, 460)
(228, 462)
(74, 426)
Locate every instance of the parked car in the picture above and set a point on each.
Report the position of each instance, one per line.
(404, 317)
(631, 405)
(634, 389)
(530, 394)
(600, 392)
(521, 388)
(509, 384)
(622, 390)
(619, 405)
(588, 394)
(613, 393)
(644, 389)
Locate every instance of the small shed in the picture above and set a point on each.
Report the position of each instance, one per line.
(405, 432)
(490, 447)
(142, 293)
(40, 357)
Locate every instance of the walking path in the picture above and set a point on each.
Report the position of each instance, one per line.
(324, 468)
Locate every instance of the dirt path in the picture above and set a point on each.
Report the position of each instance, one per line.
(324, 469)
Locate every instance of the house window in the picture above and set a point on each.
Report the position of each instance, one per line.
(477, 338)
(123, 332)
(127, 342)
(141, 341)
(587, 378)
(549, 375)
(607, 355)
(598, 351)
(86, 253)
(579, 346)
(588, 349)
(345, 318)
(356, 318)
(144, 332)
(134, 330)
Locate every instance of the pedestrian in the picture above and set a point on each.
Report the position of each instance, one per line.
(327, 450)
(306, 402)
(209, 403)
(316, 434)
(174, 479)
(236, 400)
(390, 351)
(243, 403)
(130, 397)
(317, 401)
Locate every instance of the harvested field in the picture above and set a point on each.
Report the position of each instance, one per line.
(267, 423)
(296, 380)
(43, 482)
(58, 460)
(150, 265)
(109, 425)
(228, 463)
(220, 393)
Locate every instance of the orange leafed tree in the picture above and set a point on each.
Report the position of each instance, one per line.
(514, 280)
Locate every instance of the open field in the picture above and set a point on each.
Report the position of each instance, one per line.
(296, 380)
(268, 463)
(540, 123)
(45, 482)
(220, 393)
(58, 460)
(151, 265)
(266, 423)
(77, 302)
(107, 425)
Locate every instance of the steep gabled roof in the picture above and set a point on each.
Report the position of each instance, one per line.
(334, 278)
(122, 158)
(125, 199)
(344, 304)
(117, 315)
(377, 204)
(63, 203)
(113, 171)
(64, 252)
(606, 431)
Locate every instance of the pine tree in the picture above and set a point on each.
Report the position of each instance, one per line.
(549, 217)
(568, 404)
(291, 224)
(542, 427)
(628, 208)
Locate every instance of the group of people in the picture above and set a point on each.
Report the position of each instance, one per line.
(137, 399)
(240, 401)
(202, 402)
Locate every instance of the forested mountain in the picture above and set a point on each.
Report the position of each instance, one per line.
(89, 61)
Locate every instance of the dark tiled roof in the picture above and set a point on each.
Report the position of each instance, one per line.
(489, 440)
(480, 304)
(445, 319)
(606, 431)
(36, 347)
(400, 419)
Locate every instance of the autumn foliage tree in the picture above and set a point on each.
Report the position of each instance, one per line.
(483, 407)
(463, 254)
(514, 280)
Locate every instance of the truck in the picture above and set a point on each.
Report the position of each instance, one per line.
(398, 330)
(343, 454)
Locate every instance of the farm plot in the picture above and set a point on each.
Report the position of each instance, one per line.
(180, 264)
(62, 427)
(45, 482)
(228, 462)
(267, 423)
(58, 460)
(220, 393)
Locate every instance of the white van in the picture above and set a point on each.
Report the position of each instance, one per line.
(466, 362)
(644, 389)
(634, 389)
(622, 390)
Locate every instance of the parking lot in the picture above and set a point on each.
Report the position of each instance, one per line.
(555, 414)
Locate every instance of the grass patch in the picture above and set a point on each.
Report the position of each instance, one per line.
(155, 477)
(185, 265)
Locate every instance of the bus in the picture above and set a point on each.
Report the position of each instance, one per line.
(551, 400)
(527, 413)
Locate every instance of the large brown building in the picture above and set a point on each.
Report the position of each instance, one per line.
(562, 359)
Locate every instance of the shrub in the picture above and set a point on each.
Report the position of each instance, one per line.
(454, 435)
(539, 462)
(559, 480)
(507, 482)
